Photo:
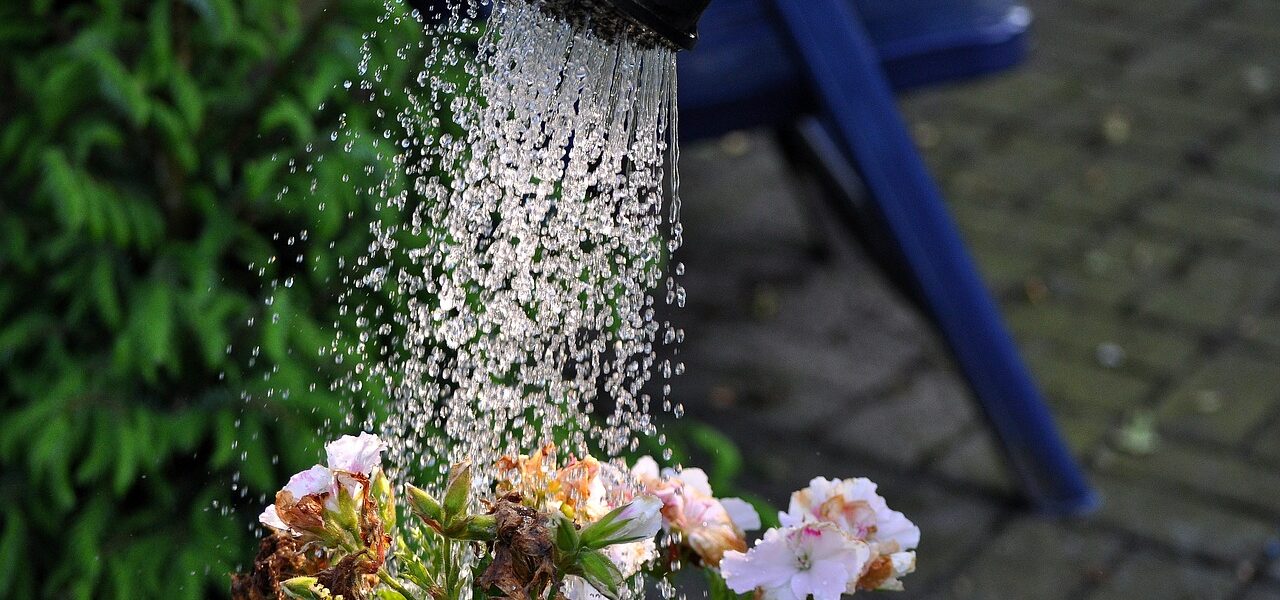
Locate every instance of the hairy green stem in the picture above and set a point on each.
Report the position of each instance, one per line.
(395, 584)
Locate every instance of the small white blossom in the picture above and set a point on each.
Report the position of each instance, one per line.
(355, 454)
(854, 506)
(793, 563)
(315, 480)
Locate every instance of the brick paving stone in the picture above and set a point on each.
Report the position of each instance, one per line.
(1104, 187)
(1085, 331)
(1187, 524)
(1082, 388)
(1213, 474)
(1037, 559)
(1256, 156)
(1152, 576)
(1263, 591)
(975, 460)
(1224, 400)
(1268, 444)
(838, 301)
(1263, 330)
(855, 368)
(985, 225)
(1006, 266)
(1214, 293)
(1159, 130)
(745, 197)
(1215, 220)
(1075, 47)
(904, 427)
(952, 526)
(1116, 189)
(1008, 96)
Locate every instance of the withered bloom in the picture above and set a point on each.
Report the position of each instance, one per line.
(352, 578)
(523, 556)
(279, 558)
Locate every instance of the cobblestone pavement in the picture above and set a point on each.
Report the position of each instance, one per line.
(1122, 195)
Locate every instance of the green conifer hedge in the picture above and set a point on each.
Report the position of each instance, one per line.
(143, 144)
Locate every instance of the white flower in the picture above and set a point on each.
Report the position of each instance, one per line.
(854, 506)
(710, 526)
(355, 454)
(630, 558)
(816, 560)
(646, 470)
(742, 513)
(315, 480)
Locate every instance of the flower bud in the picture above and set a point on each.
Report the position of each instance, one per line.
(457, 491)
(385, 496)
(636, 520)
(425, 507)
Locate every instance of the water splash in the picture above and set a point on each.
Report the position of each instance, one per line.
(510, 294)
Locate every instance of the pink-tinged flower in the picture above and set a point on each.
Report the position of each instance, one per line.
(854, 506)
(793, 563)
(709, 525)
(355, 454)
(315, 480)
(742, 513)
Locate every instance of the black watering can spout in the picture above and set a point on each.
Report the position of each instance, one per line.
(651, 22)
(676, 21)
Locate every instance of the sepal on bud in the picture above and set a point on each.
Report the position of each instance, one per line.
(425, 507)
(457, 491)
(382, 492)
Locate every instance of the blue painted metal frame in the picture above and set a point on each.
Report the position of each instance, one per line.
(845, 71)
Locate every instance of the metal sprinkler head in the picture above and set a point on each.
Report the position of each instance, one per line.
(672, 23)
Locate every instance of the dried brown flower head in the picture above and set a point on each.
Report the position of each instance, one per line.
(523, 564)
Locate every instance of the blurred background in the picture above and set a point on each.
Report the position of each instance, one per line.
(1120, 191)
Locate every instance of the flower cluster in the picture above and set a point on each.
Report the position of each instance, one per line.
(837, 537)
(583, 529)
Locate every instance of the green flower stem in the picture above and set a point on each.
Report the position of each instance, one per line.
(395, 584)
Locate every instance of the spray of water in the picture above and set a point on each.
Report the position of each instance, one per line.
(509, 295)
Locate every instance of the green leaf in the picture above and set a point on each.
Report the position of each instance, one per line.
(601, 573)
(12, 540)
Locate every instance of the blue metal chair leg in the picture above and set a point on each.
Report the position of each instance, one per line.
(845, 71)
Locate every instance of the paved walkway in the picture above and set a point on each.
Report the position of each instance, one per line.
(1122, 194)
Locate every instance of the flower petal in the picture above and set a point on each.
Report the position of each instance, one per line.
(271, 518)
(742, 513)
(315, 480)
(355, 454)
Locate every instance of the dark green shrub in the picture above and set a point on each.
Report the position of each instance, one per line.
(137, 142)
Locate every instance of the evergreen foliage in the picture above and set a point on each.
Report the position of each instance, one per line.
(143, 145)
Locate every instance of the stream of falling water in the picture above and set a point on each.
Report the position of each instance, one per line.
(524, 249)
